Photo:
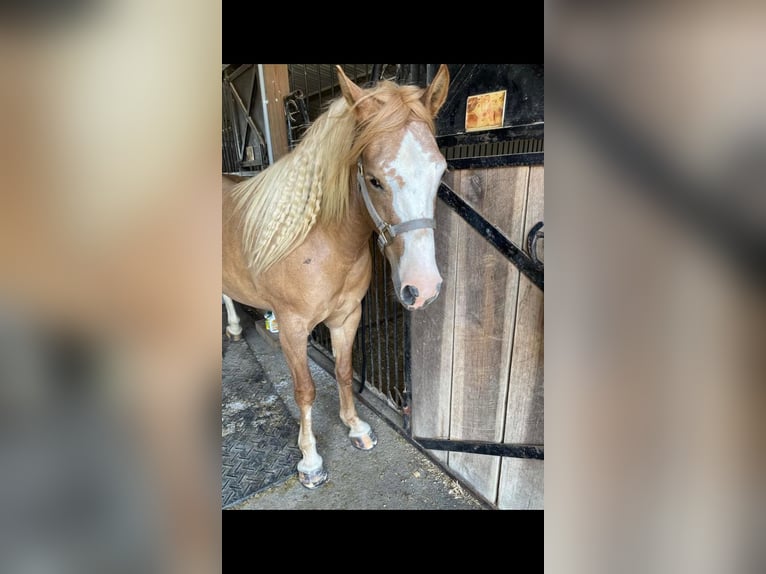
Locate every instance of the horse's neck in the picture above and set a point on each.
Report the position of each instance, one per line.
(353, 234)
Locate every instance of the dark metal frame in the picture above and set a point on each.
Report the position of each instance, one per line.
(496, 161)
(532, 269)
(529, 131)
(297, 117)
(234, 151)
(480, 447)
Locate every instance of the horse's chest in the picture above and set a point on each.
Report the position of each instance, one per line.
(341, 278)
(318, 281)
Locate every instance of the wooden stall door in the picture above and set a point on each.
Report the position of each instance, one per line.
(477, 351)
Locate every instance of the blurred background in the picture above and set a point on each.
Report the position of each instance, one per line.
(656, 223)
(110, 287)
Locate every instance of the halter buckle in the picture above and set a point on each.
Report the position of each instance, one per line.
(385, 236)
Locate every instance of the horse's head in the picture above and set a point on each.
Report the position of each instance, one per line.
(400, 168)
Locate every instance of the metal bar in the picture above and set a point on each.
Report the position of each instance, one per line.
(430, 73)
(396, 346)
(375, 405)
(230, 164)
(231, 158)
(403, 73)
(363, 374)
(385, 331)
(415, 71)
(440, 464)
(234, 122)
(319, 84)
(368, 341)
(497, 161)
(532, 451)
(535, 130)
(379, 384)
(248, 113)
(407, 407)
(495, 237)
(376, 70)
(238, 72)
(250, 121)
(370, 322)
(265, 105)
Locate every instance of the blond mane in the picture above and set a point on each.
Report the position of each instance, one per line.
(280, 205)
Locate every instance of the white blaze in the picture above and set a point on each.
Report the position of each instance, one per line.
(417, 171)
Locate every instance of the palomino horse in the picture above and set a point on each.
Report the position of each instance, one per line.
(296, 236)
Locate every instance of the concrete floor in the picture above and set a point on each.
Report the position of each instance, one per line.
(394, 475)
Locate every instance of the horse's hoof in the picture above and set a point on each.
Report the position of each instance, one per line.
(366, 441)
(233, 336)
(313, 478)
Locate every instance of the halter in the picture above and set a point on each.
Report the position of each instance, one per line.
(386, 232)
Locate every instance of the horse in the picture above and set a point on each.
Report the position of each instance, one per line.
(296, 236)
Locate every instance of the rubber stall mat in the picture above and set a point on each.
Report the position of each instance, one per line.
(259, 435)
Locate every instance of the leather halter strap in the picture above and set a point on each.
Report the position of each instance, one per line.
(387, 232)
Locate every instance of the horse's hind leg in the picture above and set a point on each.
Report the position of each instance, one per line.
(311, 472)
(342, 334)
(233, 329)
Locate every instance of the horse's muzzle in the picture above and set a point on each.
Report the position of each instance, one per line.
(409, 296)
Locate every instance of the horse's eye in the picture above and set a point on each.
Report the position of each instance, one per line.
(376, 183)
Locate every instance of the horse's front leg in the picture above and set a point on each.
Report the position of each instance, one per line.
(342, 333)
(292, 336)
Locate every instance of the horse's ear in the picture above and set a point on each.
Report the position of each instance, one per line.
(350, 90)
(436, 93)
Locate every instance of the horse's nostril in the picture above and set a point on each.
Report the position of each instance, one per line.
(409, 294)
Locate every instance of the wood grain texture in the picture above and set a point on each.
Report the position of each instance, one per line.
(277, 86)
(521, 481)
(525, 411)
(432, 333)
(485, 311)
(521, 484)
(505, 179)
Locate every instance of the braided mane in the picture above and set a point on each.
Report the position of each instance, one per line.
(311, 184)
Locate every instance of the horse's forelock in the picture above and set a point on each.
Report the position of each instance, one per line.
(393, 108)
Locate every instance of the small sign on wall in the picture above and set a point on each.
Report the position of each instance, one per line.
(485, 111)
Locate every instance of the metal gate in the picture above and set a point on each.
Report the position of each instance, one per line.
(243, 148)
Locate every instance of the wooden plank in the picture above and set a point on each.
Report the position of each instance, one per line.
(521, 484)
(485, 310)
(507, 179)
(431, 335)
(521, 481)
(524, 416)
(276, 85)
